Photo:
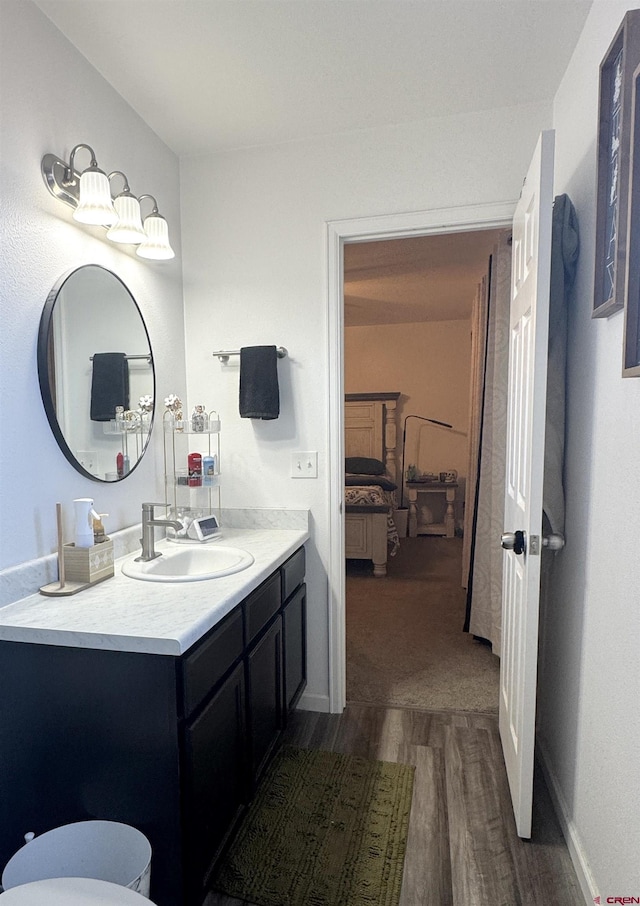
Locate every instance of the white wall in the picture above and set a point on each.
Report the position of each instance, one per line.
(590, 670)
(429, 363)
(53, 99)
(255, 272)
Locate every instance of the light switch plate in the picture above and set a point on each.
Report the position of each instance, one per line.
(304, 464)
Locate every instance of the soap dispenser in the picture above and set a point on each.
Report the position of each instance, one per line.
(85, 514)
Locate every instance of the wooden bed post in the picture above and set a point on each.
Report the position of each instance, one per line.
(379, 544)
(391, 440)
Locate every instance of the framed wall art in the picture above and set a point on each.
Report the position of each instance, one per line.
(614, 150)
(631, 348)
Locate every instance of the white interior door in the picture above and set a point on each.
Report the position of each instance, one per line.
(529, 329)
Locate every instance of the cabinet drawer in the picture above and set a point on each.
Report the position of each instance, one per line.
(262, 605)
(292, 573)
(205, 667)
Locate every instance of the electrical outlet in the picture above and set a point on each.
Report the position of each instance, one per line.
(88, 459)
(304, 465)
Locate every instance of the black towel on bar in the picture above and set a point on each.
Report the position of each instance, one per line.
(259, 393)
(109, 385)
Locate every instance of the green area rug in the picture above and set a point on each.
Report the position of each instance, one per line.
(324, 829)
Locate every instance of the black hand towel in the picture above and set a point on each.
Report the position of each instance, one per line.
(259, 392)
(109, 385)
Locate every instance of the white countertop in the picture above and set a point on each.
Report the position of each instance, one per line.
(123, 614)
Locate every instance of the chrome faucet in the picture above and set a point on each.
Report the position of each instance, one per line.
(148, 524)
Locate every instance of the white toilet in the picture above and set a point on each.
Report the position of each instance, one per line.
(90, 862)
(72, 892)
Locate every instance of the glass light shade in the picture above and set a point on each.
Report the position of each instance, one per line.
(156, 245)
(95, 205)
(128, 227)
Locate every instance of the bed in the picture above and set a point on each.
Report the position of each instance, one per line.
(371, 436)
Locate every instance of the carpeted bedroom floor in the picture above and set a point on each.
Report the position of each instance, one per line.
(405, 644)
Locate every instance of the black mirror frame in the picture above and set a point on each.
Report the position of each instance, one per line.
(44, 333)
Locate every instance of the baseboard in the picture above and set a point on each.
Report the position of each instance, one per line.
(310, 702)
(571, 835)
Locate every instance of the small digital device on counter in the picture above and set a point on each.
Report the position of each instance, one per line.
(203, 528)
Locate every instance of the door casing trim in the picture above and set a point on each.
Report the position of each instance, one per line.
(338, 232)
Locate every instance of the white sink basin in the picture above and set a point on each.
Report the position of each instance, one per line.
(189, 564)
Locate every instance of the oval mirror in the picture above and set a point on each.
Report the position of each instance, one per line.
(96, 373)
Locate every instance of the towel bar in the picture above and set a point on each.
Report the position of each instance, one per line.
(223, 354)
(129, 357)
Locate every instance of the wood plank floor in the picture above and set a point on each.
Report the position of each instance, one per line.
(462, 848)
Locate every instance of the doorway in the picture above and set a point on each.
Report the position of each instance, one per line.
(433, 223)
(408, 321)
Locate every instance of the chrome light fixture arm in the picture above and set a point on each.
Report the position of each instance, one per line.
(126, 189)
(62, 180)
(155, 204)
(70, 174)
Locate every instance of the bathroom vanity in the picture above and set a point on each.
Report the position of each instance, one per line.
(168, 729)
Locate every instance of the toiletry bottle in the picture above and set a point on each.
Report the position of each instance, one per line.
(85, 514)
(126, 467)
(120, 465)
(208, 470)
(198, 419)
(195, 470)
(99, 534)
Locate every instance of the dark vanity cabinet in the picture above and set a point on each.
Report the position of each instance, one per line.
(174, 746)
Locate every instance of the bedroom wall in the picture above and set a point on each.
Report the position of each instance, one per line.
(589, 721)
(40, 241)
(429, 363)
(255, 271)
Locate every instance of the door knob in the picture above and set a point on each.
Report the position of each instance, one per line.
(513, 541)
(554, 541)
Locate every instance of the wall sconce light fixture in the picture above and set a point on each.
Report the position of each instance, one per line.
(89, 193)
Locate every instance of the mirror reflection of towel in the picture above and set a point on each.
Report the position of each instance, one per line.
(259, 391)
(109, 385)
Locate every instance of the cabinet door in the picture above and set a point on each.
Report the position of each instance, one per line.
(265, 696)
(295, 647)
(215, 777)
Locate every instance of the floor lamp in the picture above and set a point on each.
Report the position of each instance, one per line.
(432, 421)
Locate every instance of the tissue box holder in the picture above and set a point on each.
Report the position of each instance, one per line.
(88, 564)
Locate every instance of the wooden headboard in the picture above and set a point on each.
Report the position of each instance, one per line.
(370, 428)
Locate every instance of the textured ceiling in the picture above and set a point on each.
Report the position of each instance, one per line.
(210, 75)
(427, 278)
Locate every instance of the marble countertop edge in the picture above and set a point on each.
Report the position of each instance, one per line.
(124, 614)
